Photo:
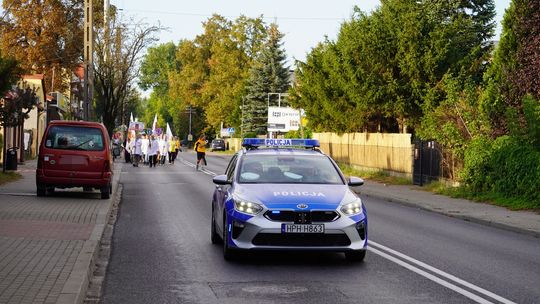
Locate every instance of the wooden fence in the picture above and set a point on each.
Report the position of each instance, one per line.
(372, 151)
(369, 151)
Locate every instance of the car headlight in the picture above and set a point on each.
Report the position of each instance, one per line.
(243, 206)
(352, 208)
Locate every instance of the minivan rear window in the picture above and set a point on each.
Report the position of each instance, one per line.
(74, 138)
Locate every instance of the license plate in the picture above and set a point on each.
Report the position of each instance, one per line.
(304, 228)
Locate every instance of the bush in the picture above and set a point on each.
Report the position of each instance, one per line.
(250, 135)
(509, 166)
(297, 134)
(477, 163)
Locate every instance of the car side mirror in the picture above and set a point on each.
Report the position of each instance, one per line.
(355, 181)
(221, 180)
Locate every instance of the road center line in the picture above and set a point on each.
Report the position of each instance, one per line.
(434, 270)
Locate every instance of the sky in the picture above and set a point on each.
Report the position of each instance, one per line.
(304, 22)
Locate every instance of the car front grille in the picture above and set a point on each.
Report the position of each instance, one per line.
(301, 217)
(301, 240)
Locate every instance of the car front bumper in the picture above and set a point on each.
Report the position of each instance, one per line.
(259, 233)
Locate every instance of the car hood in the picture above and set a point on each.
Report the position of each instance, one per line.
(289, 196)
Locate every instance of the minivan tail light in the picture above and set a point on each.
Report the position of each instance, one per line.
(106, 169)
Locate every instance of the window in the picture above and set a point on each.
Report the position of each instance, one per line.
(231, 168)
(75, 138)
(292, 169)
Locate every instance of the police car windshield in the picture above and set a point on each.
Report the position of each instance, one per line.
(290, 169)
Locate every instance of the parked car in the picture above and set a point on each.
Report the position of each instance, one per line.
(217, 145)
(75, 154)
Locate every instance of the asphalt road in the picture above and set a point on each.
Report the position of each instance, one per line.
(162, 254)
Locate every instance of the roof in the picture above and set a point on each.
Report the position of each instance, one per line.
(76, 123)
(33, 76)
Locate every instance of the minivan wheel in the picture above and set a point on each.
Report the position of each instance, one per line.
(106, 192)
(41, 190)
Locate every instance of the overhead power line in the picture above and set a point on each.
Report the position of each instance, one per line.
(210, 15)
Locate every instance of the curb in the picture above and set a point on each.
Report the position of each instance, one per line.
(467, 218)
(74, 291)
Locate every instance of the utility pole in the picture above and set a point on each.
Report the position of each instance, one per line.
(88, 57)
(190, 110)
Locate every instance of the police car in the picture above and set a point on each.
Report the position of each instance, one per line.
(285, 194)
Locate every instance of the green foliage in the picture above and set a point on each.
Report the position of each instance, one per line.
(377, 176)
(9, 73)
(267, 75)
(213, 70)
(307, 132)
(9, 177)
(385, 70)
(250, 135)
(17, 105)
(158, 62)
(531, 111)
(507, 165)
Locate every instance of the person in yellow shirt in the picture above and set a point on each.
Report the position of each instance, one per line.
(172, 150)
(177, 147)
(200, 148)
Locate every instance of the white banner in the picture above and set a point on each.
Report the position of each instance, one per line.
(283, 119)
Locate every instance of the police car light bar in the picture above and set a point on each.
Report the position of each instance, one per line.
(289, 142)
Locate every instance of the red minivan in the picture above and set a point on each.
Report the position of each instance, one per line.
(75, 154)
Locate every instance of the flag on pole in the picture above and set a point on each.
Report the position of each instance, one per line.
(154, 124)
(169, 132)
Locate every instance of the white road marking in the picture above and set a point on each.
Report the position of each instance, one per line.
(433, 278)
(203, 170)
(419, 271)
(436, 271)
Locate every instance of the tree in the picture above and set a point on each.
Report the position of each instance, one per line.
(156, 65)
(46, 37)
(213, 69)
(9, 73)
(16, 105)
(268, 75)
(384, 72)
(118, 52)
(525, 78)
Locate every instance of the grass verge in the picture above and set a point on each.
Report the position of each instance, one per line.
(9, 177)
(497, 199)
(376, 176)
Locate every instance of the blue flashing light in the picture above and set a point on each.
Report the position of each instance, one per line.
(276, 212)
(287, 142)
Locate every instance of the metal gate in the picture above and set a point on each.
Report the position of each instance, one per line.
(427, 162)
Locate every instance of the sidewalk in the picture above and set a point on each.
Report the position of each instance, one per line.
(48, 244)
(520, 221)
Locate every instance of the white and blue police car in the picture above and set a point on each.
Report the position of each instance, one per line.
(285, 194)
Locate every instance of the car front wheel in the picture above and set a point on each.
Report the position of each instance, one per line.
(214, 235)
(228, 253)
